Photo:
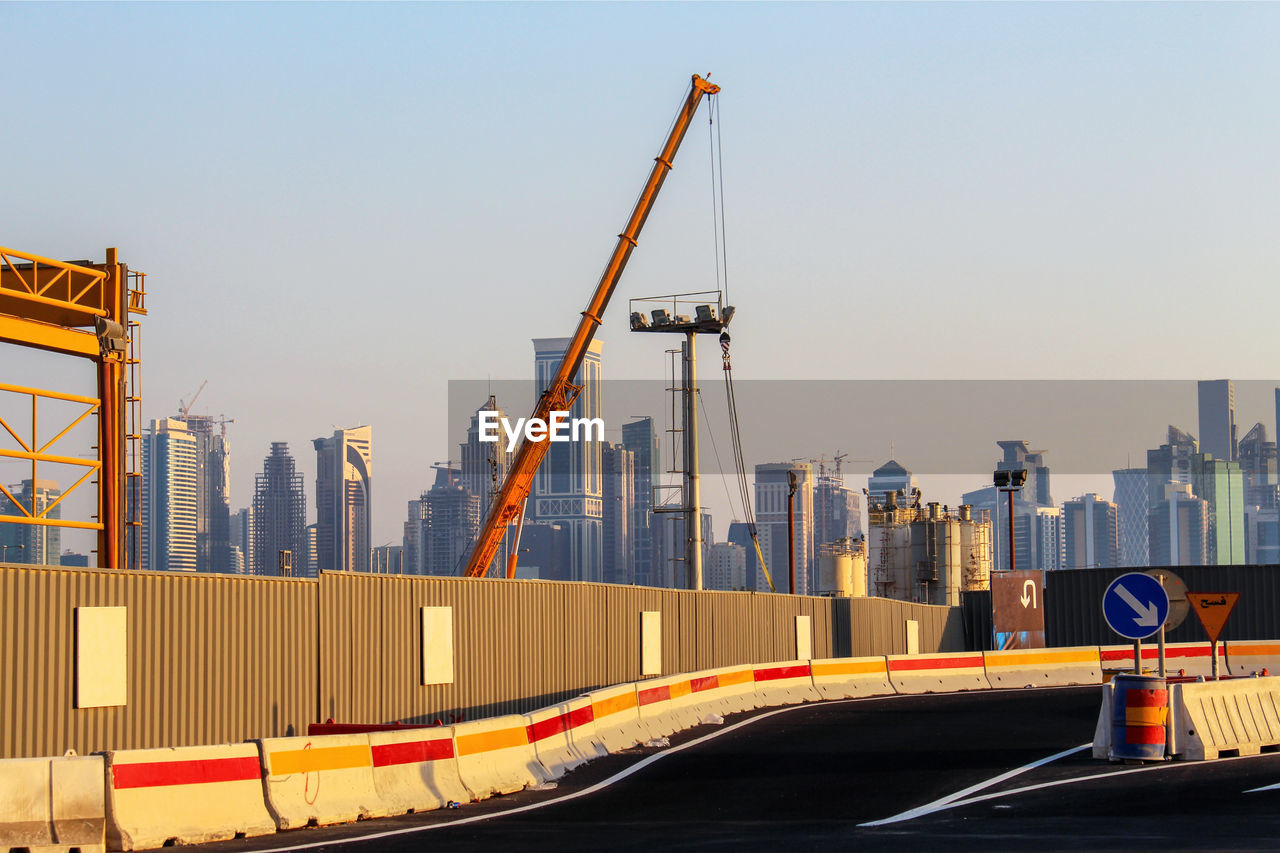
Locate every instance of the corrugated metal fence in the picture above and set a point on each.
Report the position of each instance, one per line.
(216, 658)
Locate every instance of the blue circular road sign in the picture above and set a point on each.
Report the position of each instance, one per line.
(1135, 605)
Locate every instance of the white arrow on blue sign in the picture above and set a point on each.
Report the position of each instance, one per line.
(1135, 605)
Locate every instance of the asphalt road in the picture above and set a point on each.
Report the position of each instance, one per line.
(815, 777)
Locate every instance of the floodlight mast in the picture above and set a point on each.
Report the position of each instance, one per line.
(508, 507)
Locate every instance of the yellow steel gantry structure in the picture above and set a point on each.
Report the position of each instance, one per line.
(79, 309)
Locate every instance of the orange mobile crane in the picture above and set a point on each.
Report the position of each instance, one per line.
(508, 507)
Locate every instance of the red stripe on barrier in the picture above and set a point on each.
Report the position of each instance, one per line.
(781, 672)
(1144, 734)
(412, 752)
(1154, 653)
(196, 772)
(579, 717)
(935, 663)
(710, 682)
(653, 694)
(1145, 698)
(545, 728)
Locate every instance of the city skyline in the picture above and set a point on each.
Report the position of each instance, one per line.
(1063, 126)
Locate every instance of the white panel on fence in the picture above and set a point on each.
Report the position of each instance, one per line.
(651, 642)
(804, 638)
(437, 645)
(913, 637)
(102, 659)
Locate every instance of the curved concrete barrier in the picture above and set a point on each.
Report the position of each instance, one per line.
(941, 673)
(668, 704)
(415, 770)
(726, 690)
(319, 780)
(617, 717)
(54, 803)
(1043, 667)
(1245, 657)
(563, 736)
(1192, 657)
(1213, 717)
(849, 678)
(496, 757)
(184, 795)
(785, 683)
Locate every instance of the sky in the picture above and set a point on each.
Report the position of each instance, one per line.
(341, 208)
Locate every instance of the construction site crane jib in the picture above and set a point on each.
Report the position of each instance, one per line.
(508, 507)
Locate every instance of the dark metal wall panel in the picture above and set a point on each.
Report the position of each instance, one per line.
(1073, 604)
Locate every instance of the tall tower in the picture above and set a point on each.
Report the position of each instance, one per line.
(484, 463)
(641, 439)
(1134, 505)
(213, 505)
(33, 544)
(569, 487)
(771, 521)
(1217, 399)
(1090, 533)
(619, 510)
(344, 465)
(169, 497)
(279, 520)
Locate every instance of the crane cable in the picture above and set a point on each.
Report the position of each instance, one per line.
(736, 433)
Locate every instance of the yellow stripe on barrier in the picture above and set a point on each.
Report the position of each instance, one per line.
(614, 704)
(326, 758)
(1038, 657)
(745, 676)
(680, 688)
(489, 741)
(1252, 648)
(853, 668)
(1152, 716)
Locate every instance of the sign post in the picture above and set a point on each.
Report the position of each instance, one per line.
(1017, 609)
(1135, 605)
(1213, 609)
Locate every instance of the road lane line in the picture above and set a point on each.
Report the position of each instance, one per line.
(599, 786)
(949, 801)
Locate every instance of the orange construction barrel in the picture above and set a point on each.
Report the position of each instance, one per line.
(1139, 713)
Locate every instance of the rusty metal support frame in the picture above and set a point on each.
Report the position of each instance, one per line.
(78, 309)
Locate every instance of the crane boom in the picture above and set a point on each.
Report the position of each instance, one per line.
(560, 393)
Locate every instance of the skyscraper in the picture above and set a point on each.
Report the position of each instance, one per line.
(740, 534)
(569, 488)
(1173, 462)
(889, 478)
(32, 544)
(727, 567)
(1179, 525)
(641, 439)
(1258, 466)
(344, 465)
(619, 500)
(484, 463)
(1037, 522)
(1090, 533)
(772, 485)
(450, 520)
(213, 505)
(837, 511)
(169, 497)
(1133, 504)
(278, 520)
(1217, 399)
(1222, 487)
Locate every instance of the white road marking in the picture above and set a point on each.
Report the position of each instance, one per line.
(950, 801)
(1263, 788)
(599, 786)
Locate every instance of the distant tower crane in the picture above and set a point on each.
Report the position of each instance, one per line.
(184, 407)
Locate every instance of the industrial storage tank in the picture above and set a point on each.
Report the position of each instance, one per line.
(842, 568)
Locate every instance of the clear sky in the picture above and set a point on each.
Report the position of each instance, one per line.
(342, 207)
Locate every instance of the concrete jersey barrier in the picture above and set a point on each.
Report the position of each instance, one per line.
(668, 705)
(319, 780)
(940, 673)
(1213, 717)
(1192, 657)
(726, 690)
(52, 802)
(1248, 657)
(187, 795)
(496, 757)
(414, 770)
(784, 683)
(563, 736)
(616, 715)
(1043, 667)
(849, 678)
